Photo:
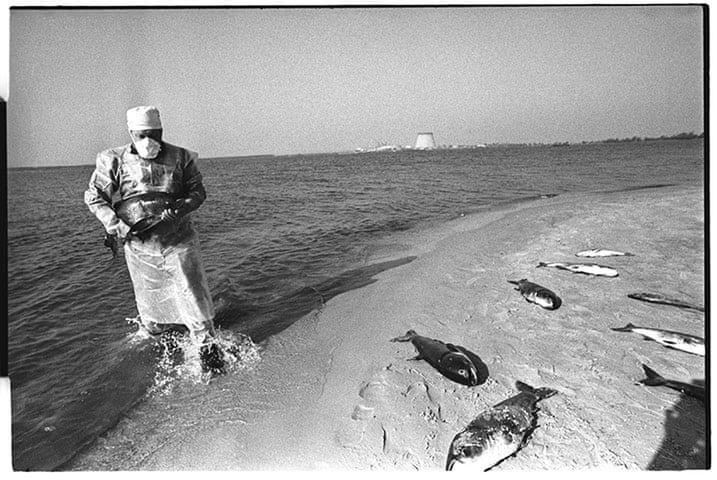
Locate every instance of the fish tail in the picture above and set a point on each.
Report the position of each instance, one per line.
(540, 393)
(542, 264)
(628, 254)
(653, 378)
(626, 328)
(405, 338)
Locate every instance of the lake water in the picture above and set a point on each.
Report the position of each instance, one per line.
(279, 236)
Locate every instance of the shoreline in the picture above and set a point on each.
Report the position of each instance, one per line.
(331, 392)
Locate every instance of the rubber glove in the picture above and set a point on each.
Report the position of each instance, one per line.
(169, 214)
(120, 229)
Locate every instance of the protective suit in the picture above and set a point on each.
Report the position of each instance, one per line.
(164, 261)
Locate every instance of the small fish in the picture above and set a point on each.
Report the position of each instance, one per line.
(662, 299)
(452, 361)
(112, 242)
(498, 432)
(679, 341)
(585, 268)
(537, 294)
(600, 252)
(654, 379)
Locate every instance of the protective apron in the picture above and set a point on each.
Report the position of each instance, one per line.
(165, 266)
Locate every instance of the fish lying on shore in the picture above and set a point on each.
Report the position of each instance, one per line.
(678, 341)
(664, 300)
(537, 294)
(498, 432)
(654, 379)
(601, 252)
(452, 361)
(585, 268)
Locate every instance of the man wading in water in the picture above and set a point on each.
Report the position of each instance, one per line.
(158, 184)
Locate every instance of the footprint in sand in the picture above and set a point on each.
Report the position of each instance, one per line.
(362, 412)
(387, 405)
(372, 393)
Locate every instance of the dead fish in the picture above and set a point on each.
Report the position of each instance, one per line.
(537, 294)
(112, 242)
(662, 299)
(144, 225)
(452, 361)
(679, 341)
(498, 432)
(585, 268)
(654, 379)
(601, 252)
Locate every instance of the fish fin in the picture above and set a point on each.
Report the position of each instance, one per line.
(653, 378)
(405, 338)
(523, 387)
(626, 328)
(514, 282)
(416, 358)
(541, 392)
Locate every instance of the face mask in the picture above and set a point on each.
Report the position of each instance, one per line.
(147, 147)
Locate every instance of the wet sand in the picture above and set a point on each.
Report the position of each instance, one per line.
(332, 392)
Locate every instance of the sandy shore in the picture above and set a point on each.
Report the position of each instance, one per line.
(333, 393)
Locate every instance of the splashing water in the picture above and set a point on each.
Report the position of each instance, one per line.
(179, 358)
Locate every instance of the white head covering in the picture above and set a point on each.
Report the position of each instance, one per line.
(143, 118)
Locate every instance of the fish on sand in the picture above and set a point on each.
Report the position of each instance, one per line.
(677, 340)
(537, 294)
(452, 361)
(601, 252)
(654, 379)
(498, 432)
(584, 268)
(664, 300)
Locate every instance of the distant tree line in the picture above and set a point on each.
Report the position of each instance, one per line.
(679, 136)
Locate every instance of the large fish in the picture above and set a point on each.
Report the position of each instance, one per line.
(585, 268)
(679, 341)
(453, 361)
(498, 432)
(601, 252)
(662, 299)
(537, 294)
(654, 379)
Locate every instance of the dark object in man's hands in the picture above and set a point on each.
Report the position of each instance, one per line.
(112, 242)
(142, 228)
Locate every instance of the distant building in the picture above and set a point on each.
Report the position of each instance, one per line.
(425, 140)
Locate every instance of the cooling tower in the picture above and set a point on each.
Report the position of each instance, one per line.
(425, 140)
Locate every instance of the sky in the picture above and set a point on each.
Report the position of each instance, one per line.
(233, 81)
